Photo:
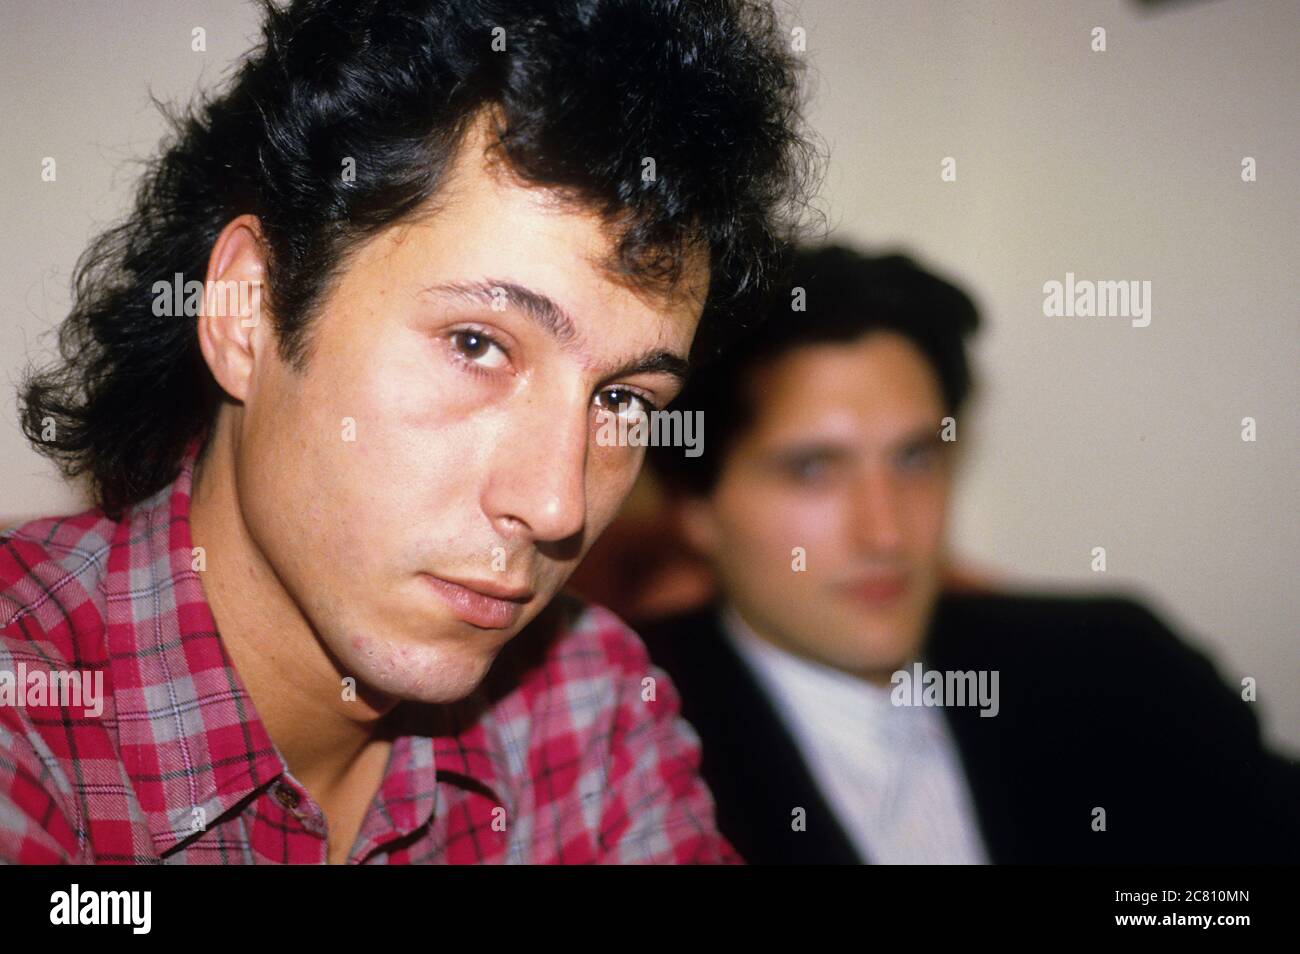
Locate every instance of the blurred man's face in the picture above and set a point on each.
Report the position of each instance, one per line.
(432, 478)
(844, 461)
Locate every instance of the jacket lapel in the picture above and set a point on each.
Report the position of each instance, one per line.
(751, 763)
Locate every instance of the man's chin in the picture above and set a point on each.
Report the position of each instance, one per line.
(394, 674)
(877, 645)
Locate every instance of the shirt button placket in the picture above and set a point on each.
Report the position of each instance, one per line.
(286, 796)
(311, 818)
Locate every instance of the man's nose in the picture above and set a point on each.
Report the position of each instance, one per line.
(877, 521)
(537, 485)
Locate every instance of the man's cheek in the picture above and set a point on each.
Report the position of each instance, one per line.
(802, 525)
(611, 475)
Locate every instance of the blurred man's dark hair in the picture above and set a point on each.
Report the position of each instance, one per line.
(844, 294)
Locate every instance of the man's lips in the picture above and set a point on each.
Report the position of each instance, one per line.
(878, 590)
(483, 603)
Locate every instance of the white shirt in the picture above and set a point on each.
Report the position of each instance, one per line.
(890, 773)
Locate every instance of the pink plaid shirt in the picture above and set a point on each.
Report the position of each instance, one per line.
(555, 758)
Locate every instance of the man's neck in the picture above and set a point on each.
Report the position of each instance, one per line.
(736, 619)
(295, 685)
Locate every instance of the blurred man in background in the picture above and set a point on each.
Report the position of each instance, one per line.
(852, 707)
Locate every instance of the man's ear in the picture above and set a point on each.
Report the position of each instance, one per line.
(233, 331)
(699, 525)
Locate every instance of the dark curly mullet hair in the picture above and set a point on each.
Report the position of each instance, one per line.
(584, 90)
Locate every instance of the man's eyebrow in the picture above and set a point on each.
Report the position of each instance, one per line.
(832, 448)
(545, 312)
(922, 435)
(656, 362)
(542, 309)
(810, 448)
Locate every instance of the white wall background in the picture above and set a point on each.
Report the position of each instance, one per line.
(1117, 165)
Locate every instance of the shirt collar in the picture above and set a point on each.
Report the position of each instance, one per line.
(191, 740)
(823, 699)
(778, 663)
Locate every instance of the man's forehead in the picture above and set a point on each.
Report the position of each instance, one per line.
(481, 170)
(883, 364)
(840, 389)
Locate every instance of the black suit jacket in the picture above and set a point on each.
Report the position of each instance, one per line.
(1101, 706)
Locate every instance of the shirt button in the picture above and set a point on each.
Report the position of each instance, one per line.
(285, 795)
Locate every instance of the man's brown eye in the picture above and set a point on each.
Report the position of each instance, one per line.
(471, 344)
(479, 348)
(621, 400)
(919, 457)
(809, 469)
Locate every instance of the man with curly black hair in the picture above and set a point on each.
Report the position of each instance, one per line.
(335, 385)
